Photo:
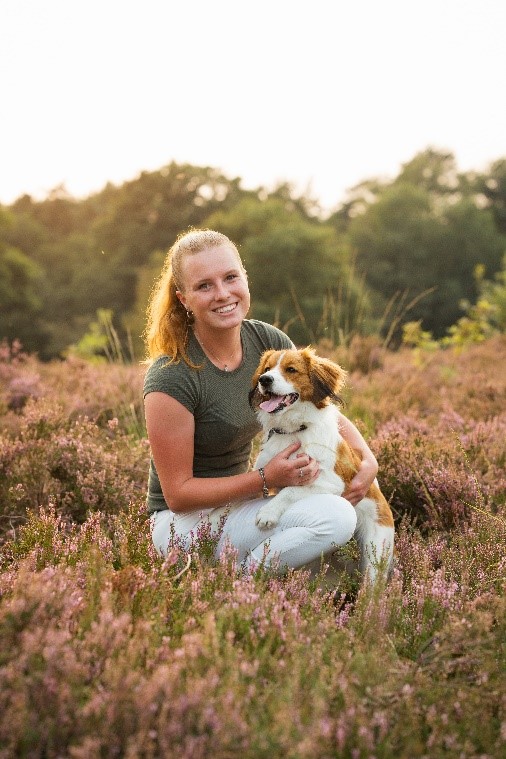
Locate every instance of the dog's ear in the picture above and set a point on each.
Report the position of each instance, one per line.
(254, 397)
(327, 378)
(254, 394)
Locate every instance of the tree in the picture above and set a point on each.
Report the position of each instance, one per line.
(134, 321)
(357, 201)
(433, 170)
(20, 304)
(93, 250)
(394, 241)
(424, 234)
(294, 266)
(492, 185)
(148, 213)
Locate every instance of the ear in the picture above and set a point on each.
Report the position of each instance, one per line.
(254, 397)
(181, 298)
(327, 378)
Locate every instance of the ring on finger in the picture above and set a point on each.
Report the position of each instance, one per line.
(301, 473)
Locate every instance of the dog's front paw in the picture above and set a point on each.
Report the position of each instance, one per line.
(266, 520)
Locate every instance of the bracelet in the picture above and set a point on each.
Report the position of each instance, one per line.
(265, 489)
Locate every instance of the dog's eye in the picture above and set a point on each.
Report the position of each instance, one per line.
(291, 370)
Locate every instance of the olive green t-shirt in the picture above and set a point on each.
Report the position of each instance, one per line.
(225, 424)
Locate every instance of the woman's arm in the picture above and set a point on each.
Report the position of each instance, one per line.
(368, 470)
(171, 430)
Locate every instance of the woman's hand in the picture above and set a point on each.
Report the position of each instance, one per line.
(283, 471)
(360, 484)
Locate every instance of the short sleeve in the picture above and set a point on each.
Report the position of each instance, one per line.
(175, 380)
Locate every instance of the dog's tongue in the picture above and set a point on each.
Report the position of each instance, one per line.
(272, 403)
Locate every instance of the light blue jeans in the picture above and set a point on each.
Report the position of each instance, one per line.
(308, 529)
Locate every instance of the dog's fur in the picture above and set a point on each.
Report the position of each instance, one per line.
(292, 393)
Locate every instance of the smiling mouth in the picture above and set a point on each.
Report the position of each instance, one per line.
(226, 309)
(275, 403)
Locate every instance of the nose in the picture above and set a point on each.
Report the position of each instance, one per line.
(265, 380)
(221, 291)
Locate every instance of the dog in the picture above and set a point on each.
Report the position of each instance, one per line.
(293, 394)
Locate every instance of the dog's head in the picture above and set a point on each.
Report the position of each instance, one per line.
(286, 376)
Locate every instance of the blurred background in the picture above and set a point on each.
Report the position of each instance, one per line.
(356, 153)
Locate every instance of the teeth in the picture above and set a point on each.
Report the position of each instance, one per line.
(225, 309)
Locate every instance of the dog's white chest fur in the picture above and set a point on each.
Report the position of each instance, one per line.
(319, 439)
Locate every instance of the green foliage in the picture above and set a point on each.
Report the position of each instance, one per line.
(492, 185)
(493, 294)
(406, 242)
(475, 327)
(91, 252)
(425, 231)
(296, 268)
(482, 319)
(415, 337)
(420, 340)
(93, 343)
(391, 241)
(433, 170)
(101, 342)
(21, 305)
(134, 320)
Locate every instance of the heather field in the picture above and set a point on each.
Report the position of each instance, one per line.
(108, 651)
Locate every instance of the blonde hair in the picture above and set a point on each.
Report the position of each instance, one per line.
(168, 322)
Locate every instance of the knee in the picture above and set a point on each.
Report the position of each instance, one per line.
(341, 518)
(329, 516)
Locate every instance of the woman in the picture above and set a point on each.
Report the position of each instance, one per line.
(203, 354)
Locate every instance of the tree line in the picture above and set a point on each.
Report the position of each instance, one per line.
(407, 248)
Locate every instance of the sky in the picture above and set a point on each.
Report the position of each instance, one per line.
(321, 94)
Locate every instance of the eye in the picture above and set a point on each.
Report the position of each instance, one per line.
(203, 286)
(291, 370)
(232, 276)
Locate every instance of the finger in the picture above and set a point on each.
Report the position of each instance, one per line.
(300, 457)
(292, 448)
(353, 496)
(307, 474)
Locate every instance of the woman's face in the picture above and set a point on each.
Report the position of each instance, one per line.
(215, 288)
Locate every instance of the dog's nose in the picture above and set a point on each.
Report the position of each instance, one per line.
(265, 380)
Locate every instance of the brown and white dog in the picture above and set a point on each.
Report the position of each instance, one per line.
(292, 395)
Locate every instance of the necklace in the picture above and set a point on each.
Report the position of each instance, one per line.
(219, 360)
